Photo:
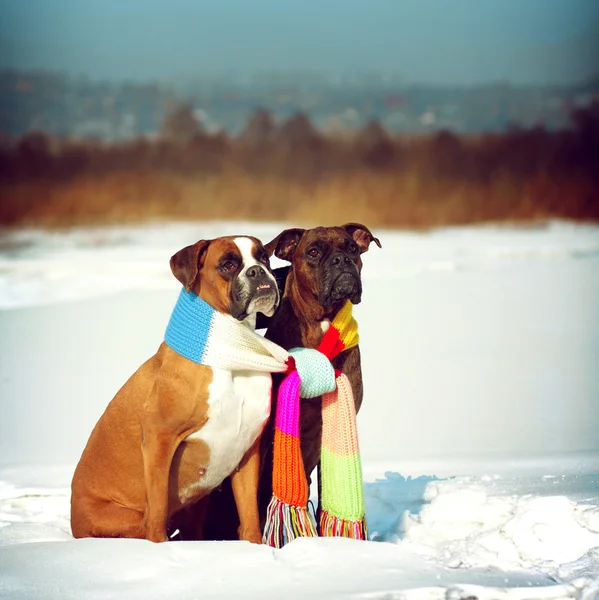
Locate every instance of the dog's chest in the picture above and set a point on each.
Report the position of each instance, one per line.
(238, 408)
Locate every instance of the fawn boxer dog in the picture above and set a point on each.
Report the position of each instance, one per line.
(177, 428)
(325, 270)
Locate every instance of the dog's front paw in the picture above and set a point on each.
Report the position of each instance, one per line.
(254, 536)
(156, 536)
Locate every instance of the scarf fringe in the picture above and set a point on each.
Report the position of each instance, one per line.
(285, 523)
(331, 526)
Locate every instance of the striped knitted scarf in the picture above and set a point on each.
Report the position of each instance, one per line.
(202, 334)
(342, 495)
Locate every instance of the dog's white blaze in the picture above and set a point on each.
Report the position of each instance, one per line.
(238, 408)
(246, 246)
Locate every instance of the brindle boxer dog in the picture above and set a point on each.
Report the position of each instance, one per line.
(325, 271)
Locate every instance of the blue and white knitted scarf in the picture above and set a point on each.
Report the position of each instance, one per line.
(202, 334)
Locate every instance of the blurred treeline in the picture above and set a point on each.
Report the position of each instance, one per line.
(293, 172)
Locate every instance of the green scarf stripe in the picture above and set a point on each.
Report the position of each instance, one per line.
(344, 496)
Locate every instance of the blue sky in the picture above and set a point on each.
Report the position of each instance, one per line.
(450, 41)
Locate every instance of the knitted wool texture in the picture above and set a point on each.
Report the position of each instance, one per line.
(202, 334)
(341, 469)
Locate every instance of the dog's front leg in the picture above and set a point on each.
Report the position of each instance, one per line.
(158, 448)
(244, 481)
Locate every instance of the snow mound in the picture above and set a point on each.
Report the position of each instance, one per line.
(467, 524)
(458, 538)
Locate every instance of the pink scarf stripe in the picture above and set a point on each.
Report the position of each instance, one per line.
(288, 407)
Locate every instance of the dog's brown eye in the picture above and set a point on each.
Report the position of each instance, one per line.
(353, 248)
(313, 252)
(228, 266)
(264, 258)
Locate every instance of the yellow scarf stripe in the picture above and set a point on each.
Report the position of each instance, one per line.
(347, 326)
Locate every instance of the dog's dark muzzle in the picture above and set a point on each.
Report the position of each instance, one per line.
(344, 279)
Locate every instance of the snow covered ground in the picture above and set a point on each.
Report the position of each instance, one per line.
(479, 430)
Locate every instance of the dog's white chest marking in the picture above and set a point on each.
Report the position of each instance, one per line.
(238, 408)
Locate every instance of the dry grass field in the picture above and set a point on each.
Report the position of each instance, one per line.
(294, 173)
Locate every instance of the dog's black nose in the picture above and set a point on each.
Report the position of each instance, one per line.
(339, 258)
(255, 271)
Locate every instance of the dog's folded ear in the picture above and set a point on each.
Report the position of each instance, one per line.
(284, 245)
(361, 235)
(185, 264)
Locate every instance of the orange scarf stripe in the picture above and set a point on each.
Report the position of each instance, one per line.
(293, 490)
